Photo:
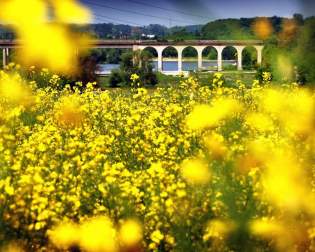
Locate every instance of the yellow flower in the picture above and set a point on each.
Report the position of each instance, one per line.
(24, 13)
(284, 182)
(64, 235)
(134, 77)
(130, 233)
(71, 11)
(215, 144)
(9, 190)
(98, 235)
(266, 77)
(157, 236)
(69, 112)
(30, 19)
(266, 228)
(218, 229)
(262, 27)
(12, 247)
(14, 90)
(196, 171)
(259, 122)
(205, 116)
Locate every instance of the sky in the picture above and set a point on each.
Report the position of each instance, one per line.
(189, 12)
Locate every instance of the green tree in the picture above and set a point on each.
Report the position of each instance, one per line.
(138, 62)
(305, 53)
(298, 18)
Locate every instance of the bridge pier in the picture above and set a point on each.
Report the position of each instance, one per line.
(199, 51)
(259, 54)
(5, 55)
(219, 51)
(160, 61)
(180, 50)
(239, 50)
(180, 62)
(199, 60)
(159, 50)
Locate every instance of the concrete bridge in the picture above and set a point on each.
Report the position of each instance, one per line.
(160, 46)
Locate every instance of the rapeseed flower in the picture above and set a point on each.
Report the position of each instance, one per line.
(130, 233)
(196, 171)
(76, 164)
(205, 116)
(98, 235)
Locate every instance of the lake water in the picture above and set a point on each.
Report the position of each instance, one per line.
(169, 66)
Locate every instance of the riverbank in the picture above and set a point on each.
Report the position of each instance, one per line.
(205, 78)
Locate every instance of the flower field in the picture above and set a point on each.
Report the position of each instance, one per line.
(186, 168)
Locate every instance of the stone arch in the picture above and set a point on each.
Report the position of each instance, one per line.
(249, 57)
(229, 57)
(171, 62)
(152, 50)
(150, 55)
(190, 58)
(210, 58)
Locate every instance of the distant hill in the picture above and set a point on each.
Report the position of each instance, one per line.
(241, 28)
(218, 29)
(189, 29)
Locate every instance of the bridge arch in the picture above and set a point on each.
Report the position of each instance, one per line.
(150, 54)
(210, 58)
(190, 56)
(249, 57)
(170, 55)
(152, 50)
(229, 56)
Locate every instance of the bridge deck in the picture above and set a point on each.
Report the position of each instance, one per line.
(131, 43)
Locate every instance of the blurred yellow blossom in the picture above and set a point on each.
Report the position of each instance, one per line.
(64, 235)
(218, 229)
(12, 247)
(71, 11)
(98, 235)
(14, 90)
(196, 171)
(24, 14)
(284, 181)
(262, 28)
(205, 116)
(69, 112)
(260, 122)
(45, 43)
(215, 144)
(266, 227)
(130, 233)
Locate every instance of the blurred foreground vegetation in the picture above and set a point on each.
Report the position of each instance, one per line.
(184, 168)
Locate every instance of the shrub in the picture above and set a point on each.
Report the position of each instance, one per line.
(115, 78)
(260, 71)
(134, 63)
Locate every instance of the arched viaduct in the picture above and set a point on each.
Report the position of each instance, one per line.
(160, 46)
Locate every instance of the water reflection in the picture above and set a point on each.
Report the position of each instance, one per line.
(172, 66)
